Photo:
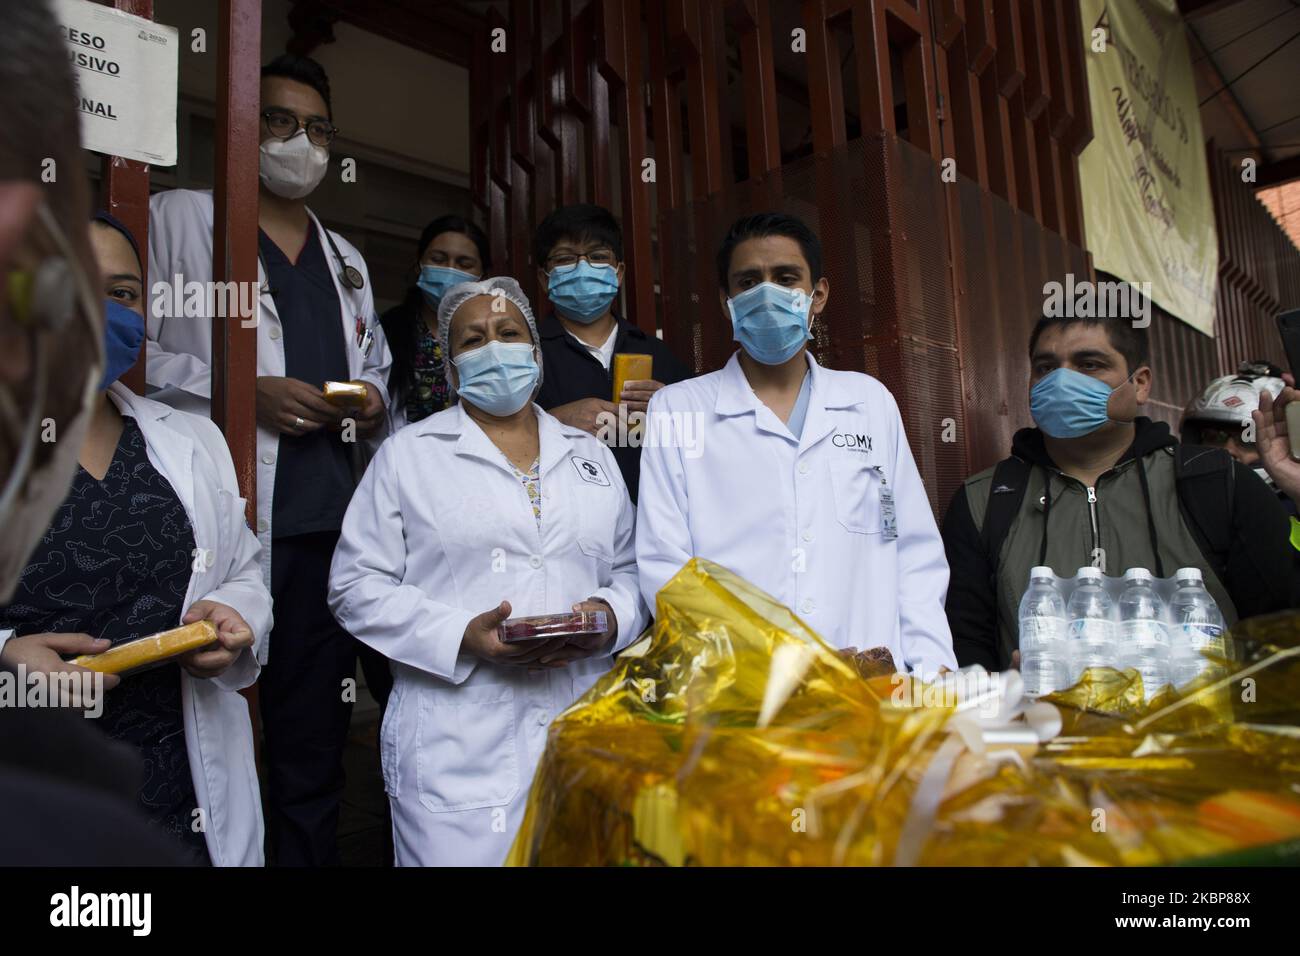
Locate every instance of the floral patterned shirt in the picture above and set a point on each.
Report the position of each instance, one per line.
(429, 392)
(532, 482)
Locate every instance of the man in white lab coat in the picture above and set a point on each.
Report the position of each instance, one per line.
(315, 323)
(794, 476)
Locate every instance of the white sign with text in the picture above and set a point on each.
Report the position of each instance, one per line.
(126, 70)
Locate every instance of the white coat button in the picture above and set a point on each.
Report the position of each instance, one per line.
(535, 561)
(807, 606)
(268, 459)
(275, 333)
(541, 720)
(263, 525)
(807, 536)
(803, 467)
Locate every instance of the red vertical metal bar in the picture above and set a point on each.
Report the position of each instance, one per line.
(234, 233)
(950, 17)
(1011, 52)
(997, 138)
(1053, 207)
(694, 41)
(1022, 148)
(669, 187)
(875, 84)
(825, 87)
(523, 144)
(623, 43)
(763, 134)
(479, 113)
(964, 118)
(1037, 89)
(919, 81)
(124, 192)
(981, 45)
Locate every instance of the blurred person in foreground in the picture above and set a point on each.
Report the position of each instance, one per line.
(54, 766)
(1272, 439)
(152, 536)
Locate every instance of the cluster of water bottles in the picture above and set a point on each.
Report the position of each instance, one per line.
(1161, 627)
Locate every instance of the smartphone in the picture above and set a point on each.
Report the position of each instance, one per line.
(1288, 324)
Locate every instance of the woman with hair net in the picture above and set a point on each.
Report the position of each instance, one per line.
(526, 516)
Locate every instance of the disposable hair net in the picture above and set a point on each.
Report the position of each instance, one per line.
(458, 295)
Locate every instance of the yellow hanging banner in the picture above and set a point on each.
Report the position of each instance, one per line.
(1145, 185)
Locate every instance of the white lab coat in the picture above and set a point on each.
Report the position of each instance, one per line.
(190, 453)
(440, 531)
(179, 350)
(800, 519)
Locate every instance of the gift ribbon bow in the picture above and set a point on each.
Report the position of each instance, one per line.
(992, 717)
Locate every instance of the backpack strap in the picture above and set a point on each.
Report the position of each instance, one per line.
(1206, 483)
(1006, 492)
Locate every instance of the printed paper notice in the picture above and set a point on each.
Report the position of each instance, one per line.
(126, 70)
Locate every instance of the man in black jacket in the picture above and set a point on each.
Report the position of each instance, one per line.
(1096, 485)
(579, 254)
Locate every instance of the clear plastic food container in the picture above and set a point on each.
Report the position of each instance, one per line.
(544, 626)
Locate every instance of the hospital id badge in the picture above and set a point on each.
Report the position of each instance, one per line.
(888, 514)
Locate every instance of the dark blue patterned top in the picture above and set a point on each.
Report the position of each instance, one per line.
(116, 563)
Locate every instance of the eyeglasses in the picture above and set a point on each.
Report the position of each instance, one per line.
(567, 260)
(284, 124)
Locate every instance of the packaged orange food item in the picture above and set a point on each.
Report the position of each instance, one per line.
(150, 650)
(631, 367)
(345, 394)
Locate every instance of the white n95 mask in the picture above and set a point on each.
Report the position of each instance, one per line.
(293, 167)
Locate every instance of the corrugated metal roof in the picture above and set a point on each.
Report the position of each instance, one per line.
(1254, 47)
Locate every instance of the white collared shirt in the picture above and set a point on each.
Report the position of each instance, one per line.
(799, 518)
(604, 353)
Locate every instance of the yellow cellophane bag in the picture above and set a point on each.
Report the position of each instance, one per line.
(733, 735)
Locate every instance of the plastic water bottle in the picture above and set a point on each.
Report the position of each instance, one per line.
(1197, 623)
(1044, 671)
(1141, 614)
(1042, 613)
(1044, 655)
(1091, 631)
(1144, 639)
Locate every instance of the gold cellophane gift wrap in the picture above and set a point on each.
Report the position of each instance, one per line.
(733, 735)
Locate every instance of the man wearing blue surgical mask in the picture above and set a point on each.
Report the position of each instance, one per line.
(579, 253)
(795, 476)
(1096, 484)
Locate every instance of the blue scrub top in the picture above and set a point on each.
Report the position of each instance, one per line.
(799, 413)
(313, 472)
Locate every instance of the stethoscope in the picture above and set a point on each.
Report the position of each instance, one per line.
(348, 275)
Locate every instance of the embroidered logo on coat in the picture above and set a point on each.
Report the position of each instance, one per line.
(590, 471)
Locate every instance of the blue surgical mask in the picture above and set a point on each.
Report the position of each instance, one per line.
(1069, 404)
(123, 336)
(583, 292)
(434, 282)
(498, 377)
(771, 321)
